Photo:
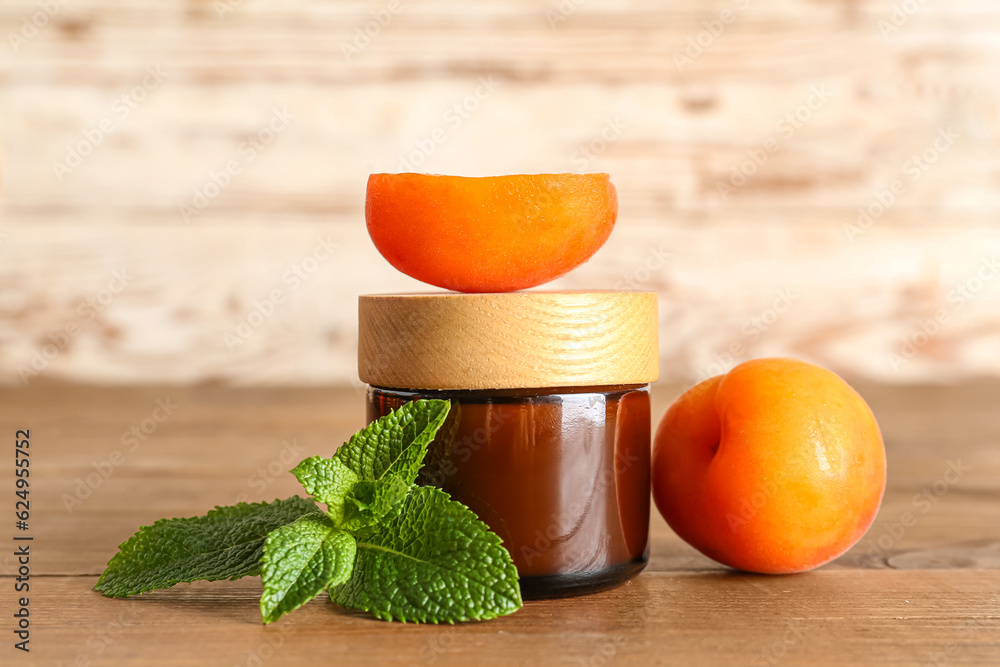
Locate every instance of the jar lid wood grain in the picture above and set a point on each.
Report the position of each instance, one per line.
(508, 340)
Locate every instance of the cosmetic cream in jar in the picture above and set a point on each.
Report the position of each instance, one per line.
(548, 438)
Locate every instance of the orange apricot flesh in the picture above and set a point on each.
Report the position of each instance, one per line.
(493, 234)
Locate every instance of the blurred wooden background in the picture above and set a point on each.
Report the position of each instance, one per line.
(214, 154)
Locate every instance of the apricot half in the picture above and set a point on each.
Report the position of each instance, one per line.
(495, 234)
(776, 467)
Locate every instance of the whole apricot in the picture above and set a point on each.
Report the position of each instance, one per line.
(776, 467)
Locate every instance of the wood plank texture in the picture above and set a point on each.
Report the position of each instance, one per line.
(867, 618)
(924, 593)
(819, 104)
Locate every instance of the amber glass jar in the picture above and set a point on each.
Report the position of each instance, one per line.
(548, 438)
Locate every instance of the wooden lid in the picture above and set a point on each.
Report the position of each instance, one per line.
(508, 340)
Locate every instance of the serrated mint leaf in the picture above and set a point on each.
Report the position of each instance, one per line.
(395, 444)
(300, 560)
(369, 501)
(328, 481)
(226, 543)
(431, 561)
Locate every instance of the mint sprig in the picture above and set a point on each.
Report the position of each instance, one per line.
(399, 551)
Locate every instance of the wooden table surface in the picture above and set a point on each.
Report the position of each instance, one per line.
(922, 587)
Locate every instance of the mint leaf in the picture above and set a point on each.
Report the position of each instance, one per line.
(226, 543)
(300, 560)
(395, 444)
(431, 561)
(369, 501)
(328, 481)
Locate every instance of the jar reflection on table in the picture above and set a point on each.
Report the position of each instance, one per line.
(560, 474)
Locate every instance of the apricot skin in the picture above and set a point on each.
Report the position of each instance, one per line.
(495, 234)
(776, 467)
